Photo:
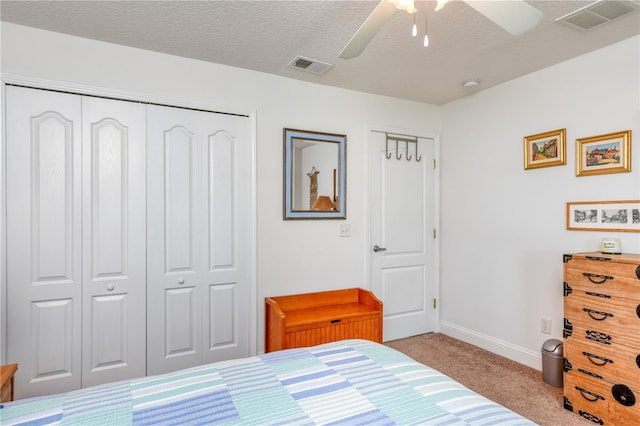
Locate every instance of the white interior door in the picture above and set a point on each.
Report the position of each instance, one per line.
(402, 254)
(226, 232)
(114, 246)
(44, 267)
(198, 237)
(174, 290)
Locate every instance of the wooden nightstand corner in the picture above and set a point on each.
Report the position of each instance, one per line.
(6, 379)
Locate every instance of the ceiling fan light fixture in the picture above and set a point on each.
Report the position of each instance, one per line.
(406, 5)
(414, 30)
(425, 43)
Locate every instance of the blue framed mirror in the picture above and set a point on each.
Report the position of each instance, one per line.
(314, 175)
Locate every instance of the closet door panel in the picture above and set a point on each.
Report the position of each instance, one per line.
(43, 193)
(181, 329)
(179, 146)
(226, 230)
(174, 287)
(114, 270)
(52, 334)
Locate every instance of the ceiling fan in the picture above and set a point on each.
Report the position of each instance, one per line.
(515, 16)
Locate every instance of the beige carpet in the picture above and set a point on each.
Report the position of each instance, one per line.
(509, 383)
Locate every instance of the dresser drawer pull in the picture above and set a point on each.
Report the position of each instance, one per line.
(623, 395)
(597, 315)
(592, 396)
(600, 259)
(589, 373)
(597, 279)
(604, 296)
(592, 418)
(602, 360)
(598, 336)
(335, 321)
(638, 361)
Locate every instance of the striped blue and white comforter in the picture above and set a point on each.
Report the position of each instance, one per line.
(352, 382)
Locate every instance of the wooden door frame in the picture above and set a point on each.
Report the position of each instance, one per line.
(436, 202)
(17, 80)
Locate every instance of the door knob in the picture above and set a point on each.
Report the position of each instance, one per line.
(110, 287)
(180, 280)
(377, 248)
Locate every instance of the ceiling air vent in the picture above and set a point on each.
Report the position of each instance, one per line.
(598, 13)
(309, 65)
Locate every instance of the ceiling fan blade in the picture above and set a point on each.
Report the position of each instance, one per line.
(369, 28)
(515, 16)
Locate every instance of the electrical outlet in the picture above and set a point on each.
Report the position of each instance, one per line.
(545, 325)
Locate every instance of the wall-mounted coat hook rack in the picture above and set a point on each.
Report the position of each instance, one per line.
(407, 141)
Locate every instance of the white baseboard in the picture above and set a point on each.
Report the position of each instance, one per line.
(515, 353)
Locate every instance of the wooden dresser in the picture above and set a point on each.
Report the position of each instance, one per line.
(6, 382)
(602, 337)
(314, 318)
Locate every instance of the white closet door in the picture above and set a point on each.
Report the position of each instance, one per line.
(174, 227)
(226, 230)
(114, 241)
(43, 169)
(199, 224)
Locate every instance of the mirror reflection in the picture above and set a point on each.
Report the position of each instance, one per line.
(314, 175)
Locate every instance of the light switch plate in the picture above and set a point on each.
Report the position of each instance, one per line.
(345, 230)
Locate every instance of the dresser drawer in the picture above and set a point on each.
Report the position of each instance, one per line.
(604, 277)
(597, 334)
(615, 316)
(615, 363)
(613, 403)
(587, 399)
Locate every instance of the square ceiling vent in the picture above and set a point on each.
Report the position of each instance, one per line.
(598, 13)
(310, 65)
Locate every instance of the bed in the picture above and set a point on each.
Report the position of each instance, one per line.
(350, 382)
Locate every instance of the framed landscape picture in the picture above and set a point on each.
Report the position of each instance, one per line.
(618, 216)
(610, 153)
(545, 149)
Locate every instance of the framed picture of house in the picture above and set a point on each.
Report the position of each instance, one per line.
(545, 149)
(610, 153)
(615, 216)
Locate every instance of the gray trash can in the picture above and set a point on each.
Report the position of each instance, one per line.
(552, 362)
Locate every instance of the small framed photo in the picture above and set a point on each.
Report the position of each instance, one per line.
(545, 149)
(610, 153)
(615, 216)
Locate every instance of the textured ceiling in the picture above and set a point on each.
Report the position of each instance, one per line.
(267, 35)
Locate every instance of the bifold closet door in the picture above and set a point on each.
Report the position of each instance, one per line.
(114, 241)
(76, 250)
(44, 240)
(199, 172)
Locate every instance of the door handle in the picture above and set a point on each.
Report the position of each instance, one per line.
(377, 248)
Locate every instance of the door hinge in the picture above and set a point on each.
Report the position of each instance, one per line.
(434, 234)
(435, 303)
(434, 164)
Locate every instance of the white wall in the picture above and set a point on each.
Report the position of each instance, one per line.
(293, 256)
(503, 228)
